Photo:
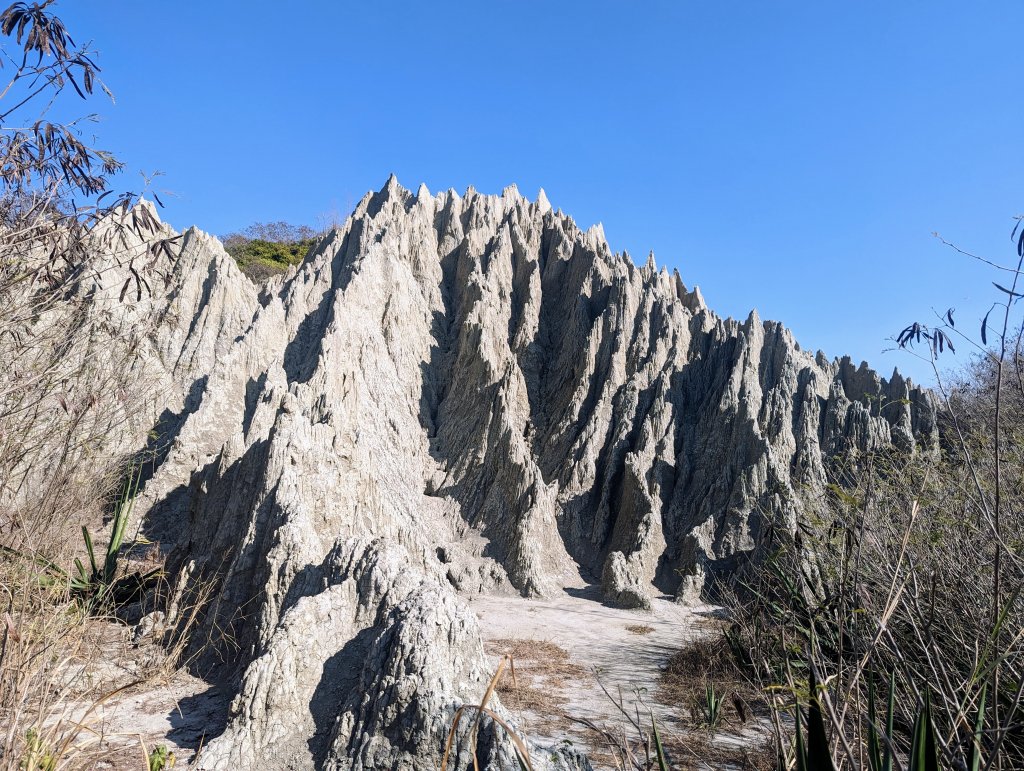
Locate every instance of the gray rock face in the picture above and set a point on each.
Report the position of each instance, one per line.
(364, 670)
(620, 584)
(464, 393)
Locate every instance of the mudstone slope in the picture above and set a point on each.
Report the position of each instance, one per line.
(454, 395)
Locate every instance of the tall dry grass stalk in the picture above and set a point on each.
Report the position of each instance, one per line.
(76, 266)
(905, 583)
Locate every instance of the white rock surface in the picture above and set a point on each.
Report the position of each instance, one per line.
(462, 393)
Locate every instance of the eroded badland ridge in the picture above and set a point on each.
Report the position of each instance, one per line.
(456, 395)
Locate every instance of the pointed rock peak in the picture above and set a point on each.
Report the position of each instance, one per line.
(363, 205)
(542, 202)
(510, 191)
(392, 191)
(145, 203)
(595, 235)
(422, 192)
(698, 300)
(677, 281)
(753, 320)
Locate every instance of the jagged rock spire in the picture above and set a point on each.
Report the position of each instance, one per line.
(478, 391)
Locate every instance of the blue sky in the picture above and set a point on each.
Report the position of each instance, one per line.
(790, 156)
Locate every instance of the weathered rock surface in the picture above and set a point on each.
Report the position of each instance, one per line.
(462, 393)
(364, 670)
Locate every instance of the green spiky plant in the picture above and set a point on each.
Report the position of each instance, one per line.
(924, 751)
(100, 584)
(38, 756)
(974, 754)
(659, 749)
(879, 745)
(814, 752)
(711, 707)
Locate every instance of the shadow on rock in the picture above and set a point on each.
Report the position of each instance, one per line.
(199, 718)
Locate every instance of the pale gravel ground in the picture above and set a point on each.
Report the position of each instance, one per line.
(185, 711)
(598, 640)
(180, 713)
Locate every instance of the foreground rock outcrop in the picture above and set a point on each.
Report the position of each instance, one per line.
(461, 394)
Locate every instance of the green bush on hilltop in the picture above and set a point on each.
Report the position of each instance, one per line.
(266, 249)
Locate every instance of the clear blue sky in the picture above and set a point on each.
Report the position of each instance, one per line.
(789, 156)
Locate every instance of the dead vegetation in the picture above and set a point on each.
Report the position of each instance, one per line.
(704, 662)
(717, 707)
(640, 628)
(71, 397)
(537, 680)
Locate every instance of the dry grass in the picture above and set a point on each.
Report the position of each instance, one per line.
(62, 667)
(699, 750)
(542, 671)
(707, 660)
(640, 628)
(59, 667)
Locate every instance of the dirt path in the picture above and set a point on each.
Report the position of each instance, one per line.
(625, 650)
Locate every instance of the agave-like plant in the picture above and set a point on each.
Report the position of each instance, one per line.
(101, 584)
(881, 759)
(813, 753)
(658, 748)
(712, 706)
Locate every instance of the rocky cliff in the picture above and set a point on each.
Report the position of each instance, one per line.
(461, 394)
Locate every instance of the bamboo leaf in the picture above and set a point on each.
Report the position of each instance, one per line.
(1008, 291)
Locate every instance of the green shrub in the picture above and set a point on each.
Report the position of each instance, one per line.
(263, 250)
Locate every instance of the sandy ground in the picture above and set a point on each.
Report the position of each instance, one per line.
(598, 639)
(605, 648)
(179, 713)
(623, 650)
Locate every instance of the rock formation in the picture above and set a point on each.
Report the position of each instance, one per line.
(461, 394)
